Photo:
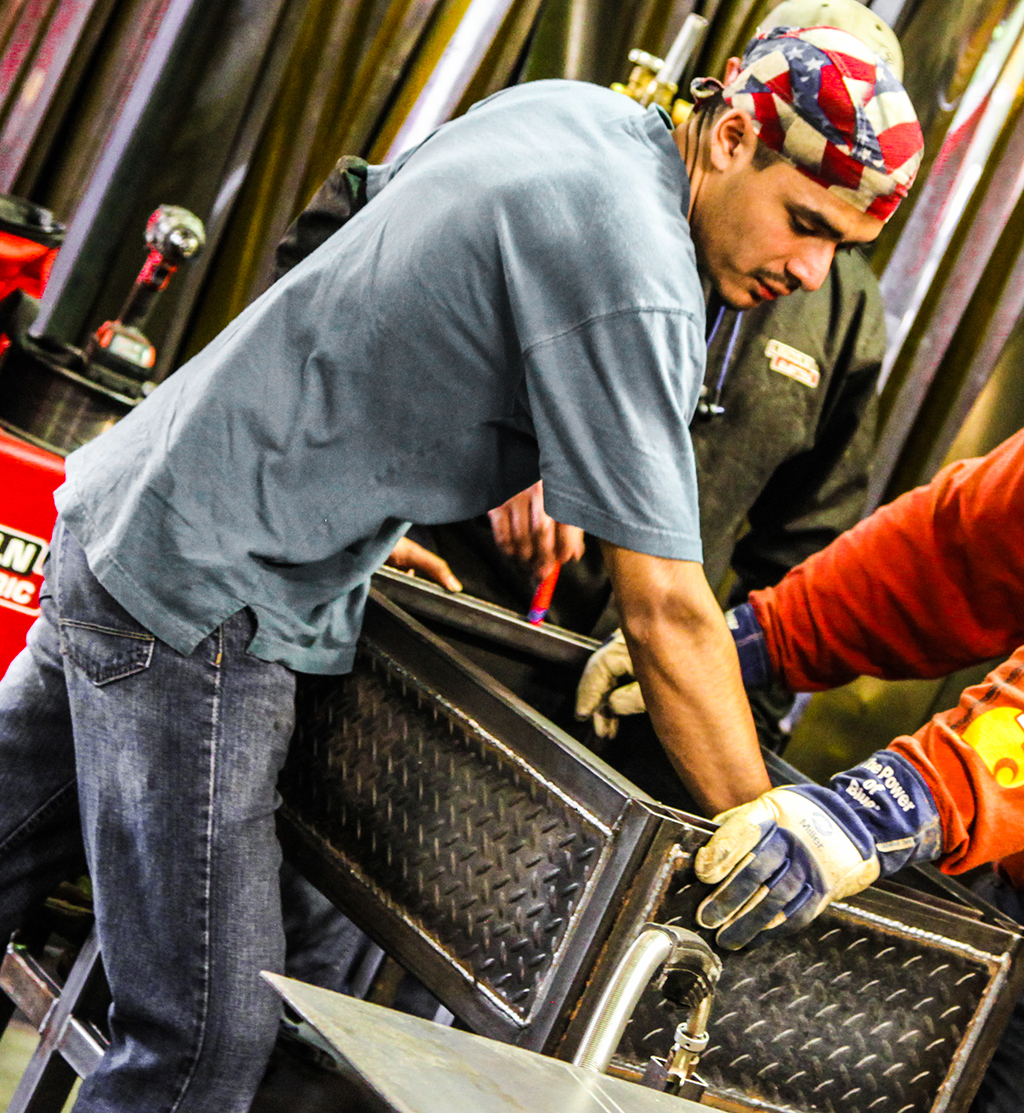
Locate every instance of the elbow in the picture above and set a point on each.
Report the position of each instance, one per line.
(648, 618)
(658, 597)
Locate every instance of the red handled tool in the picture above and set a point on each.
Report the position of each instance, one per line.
(542, 597)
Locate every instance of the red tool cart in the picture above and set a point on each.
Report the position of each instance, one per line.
(29, 241)
(28, 478)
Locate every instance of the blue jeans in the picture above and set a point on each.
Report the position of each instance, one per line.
(171, 764)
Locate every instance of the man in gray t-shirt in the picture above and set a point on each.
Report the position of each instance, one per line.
(423, 365)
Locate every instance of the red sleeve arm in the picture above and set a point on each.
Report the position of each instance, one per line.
(972, 758)
(930, 583)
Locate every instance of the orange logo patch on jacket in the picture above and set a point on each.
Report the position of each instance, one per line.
(998, 737)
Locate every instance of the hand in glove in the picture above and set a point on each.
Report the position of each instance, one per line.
(779, 860)
(607, 688)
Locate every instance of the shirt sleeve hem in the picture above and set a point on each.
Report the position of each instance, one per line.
(670, 544)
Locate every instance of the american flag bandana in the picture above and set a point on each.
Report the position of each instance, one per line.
(833, 109)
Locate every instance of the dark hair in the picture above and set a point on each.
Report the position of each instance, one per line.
(713, 105)
(764, 156)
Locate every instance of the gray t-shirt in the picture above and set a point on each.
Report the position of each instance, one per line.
(519, 298)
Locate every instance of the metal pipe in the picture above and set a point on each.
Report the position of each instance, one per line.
(680, 52)
(94, 232)
(656, 944)
(1001, 97)
(451, 77)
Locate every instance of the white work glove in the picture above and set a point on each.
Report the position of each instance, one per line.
(607, 688)
(601, 695)
(779, 860)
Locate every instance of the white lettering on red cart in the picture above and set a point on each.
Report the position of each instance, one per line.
(21, 570)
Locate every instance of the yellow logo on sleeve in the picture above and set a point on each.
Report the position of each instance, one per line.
(998, 737)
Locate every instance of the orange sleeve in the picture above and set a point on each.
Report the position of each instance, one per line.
(972, 758)
(930, 583)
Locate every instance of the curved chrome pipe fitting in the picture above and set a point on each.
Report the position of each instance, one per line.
(690, 976)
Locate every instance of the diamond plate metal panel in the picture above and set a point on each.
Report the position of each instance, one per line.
(843, 1017)
(470, 837)
(487, 860)
(510, 869)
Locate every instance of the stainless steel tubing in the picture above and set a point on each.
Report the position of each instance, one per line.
(690, 36)
(454, 71)
(656, 944)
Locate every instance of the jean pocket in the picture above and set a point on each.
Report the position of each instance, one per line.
(105, 654)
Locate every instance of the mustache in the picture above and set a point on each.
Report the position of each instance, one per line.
(775, 281)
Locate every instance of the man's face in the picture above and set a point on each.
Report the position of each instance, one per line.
(761, 234)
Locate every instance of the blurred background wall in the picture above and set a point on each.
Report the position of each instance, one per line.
(238, 109)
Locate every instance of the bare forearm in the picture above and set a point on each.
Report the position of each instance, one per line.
(704, 720)
(686, 663)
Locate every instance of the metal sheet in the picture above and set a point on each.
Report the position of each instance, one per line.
(380, 71)
(200, 81)
(43, 88)
(414, 1066)
(452, 74)
(949, 270)
(23, 27)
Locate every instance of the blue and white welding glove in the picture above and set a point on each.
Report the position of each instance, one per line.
(607, 689)
(779, 860)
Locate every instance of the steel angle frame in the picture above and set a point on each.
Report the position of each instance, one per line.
(509, 868)
(71, 1042)
(466, 834)
(466, 614)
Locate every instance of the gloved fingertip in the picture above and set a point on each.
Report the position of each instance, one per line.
(709, 914)
(711, 866)
(705, 921)
(627, 700)
(736, 936)
(585, 707)
(605, 726)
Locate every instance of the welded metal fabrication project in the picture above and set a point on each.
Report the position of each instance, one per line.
(509, 868)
